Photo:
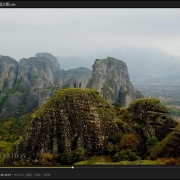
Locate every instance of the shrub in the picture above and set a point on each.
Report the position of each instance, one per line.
(63, 159)
(151, 142)
(125, 155)
(123, 114)
(168, 147)
(116, 105)
(77, 155)
(110, 147)
(2, 100)
(168, 161)
(46, 158)
(116, 138)
(128, 141)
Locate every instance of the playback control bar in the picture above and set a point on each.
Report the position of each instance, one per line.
(24, 175)
(91, 172)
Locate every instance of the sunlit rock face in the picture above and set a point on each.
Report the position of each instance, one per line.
(111, 79)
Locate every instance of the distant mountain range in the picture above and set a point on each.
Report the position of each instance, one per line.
(143, 63)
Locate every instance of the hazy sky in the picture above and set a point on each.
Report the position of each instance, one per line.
(79, 32)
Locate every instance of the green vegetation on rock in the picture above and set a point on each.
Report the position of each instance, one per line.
(151, 142)
(2, 100)
(125, 155)
(71, 119)
(168, 147)
(11, 132)
(77, 155)
(145, 104)
(128, 141)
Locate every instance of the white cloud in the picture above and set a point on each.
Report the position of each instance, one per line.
(23, 32)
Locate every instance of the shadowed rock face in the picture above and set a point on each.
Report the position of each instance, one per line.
(8, 76)
(111, 79)
(72, 118)
(151, 118)
(35, 81)
(8, 73)
(40, 75)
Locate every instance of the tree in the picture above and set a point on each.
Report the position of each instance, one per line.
(116, 105)
(116, 138)
(46, 159)
(125, 155)
(151, 142)
(128, 141)
(77, 155)
(110, 147)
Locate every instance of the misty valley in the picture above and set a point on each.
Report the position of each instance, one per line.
(104, 115)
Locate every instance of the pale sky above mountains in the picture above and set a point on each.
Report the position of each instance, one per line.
(79, 32)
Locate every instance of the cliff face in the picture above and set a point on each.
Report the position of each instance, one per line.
(53, 64)
(78, 75)
(40, 75)
(36, 80)
(72, 118)
(31, 82)
(111, 79)
(151, 118)
(8, 73)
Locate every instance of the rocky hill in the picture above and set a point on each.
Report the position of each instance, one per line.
(31, 82)
(110, 78)
(72, 118)
(80, 118)
(151, 119)
(34, 83)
